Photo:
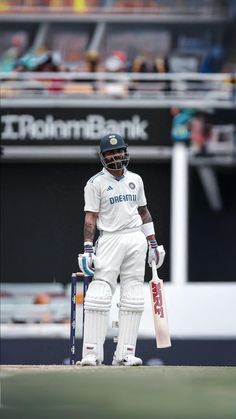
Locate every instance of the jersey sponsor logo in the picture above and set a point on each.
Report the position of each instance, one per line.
(132, 185)
(110, 188)
(122, 198)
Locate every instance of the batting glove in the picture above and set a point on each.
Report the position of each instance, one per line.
(156, 253)
(86, 260)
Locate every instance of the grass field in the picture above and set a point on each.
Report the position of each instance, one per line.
(118, 392)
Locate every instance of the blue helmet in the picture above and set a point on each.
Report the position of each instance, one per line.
(113, 142)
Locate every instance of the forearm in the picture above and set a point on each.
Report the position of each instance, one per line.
(90, 226)
(145, 214)
(146, 218)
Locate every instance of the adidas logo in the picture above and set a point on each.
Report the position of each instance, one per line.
(109, 188)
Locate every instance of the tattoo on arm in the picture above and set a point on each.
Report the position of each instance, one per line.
(90, 226)
(145, 214)
(89, 232)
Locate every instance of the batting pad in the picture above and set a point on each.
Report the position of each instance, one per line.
(130, 313)
(97, 307)
(128, 331)
(95, 329)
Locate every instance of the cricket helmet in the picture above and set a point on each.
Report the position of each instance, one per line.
(113, 142)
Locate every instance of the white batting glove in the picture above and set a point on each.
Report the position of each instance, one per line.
(156, 253)
(86, 260)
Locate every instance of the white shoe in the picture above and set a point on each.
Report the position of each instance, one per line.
(90, 361)
(128, 361)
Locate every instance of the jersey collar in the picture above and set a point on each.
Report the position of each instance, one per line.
(114, 177)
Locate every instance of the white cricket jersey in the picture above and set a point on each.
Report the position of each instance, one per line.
(115, 201)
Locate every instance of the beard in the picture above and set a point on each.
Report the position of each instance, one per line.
(115, 164)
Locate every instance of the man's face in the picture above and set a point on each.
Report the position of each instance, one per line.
(114, 158)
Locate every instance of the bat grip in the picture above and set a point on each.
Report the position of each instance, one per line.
(154, 271)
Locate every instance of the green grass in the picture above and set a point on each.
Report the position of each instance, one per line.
(135, 393)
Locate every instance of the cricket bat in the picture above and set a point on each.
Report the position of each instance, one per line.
(159, 310)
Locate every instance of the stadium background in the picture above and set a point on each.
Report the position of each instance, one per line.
(42, 197)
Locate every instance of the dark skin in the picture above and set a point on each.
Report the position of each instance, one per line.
(91, 217)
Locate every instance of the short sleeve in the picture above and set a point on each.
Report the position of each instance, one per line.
(142, 201)
(91, 197)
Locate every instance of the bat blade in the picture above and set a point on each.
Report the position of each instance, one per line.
(159, 313)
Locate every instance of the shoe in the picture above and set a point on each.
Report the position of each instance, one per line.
(128, 361)
(90, 361)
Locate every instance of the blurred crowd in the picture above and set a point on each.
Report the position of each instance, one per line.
(19, 57)
(122, 48)
(119, 5)
(131, 49)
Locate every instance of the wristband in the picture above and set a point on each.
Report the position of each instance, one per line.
(88, 247)
(148, 229)
(152, 244)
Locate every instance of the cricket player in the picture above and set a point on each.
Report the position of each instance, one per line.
(115, 204)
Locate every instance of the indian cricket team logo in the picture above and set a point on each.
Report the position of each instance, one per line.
(113, 141)
(132, 185)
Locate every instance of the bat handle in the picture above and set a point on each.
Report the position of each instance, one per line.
(154, 271)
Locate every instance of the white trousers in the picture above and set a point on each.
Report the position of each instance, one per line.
(118, 254)
(122, 253)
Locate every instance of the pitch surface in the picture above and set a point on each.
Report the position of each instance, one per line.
(118, 392)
